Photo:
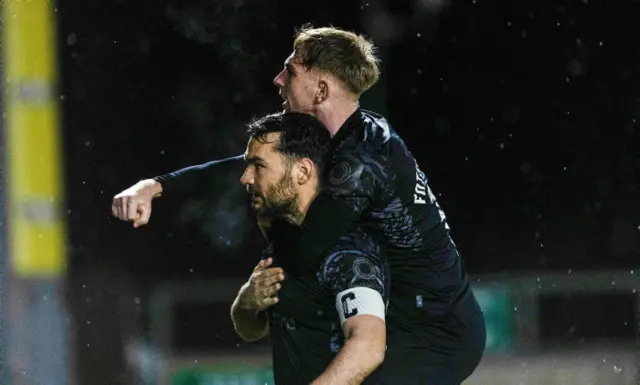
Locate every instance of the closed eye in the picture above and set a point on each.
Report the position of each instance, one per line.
(290, 69)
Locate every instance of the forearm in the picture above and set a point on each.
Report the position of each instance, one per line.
(152, 186)
(191, 179)
(358, 358)
(250, 325)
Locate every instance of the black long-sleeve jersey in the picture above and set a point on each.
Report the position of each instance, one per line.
(317, 295)
(375, 181)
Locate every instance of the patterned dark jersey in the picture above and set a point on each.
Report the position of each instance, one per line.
(305, 327)
(374, 180)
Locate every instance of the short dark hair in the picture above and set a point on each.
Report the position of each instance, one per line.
(301, 136)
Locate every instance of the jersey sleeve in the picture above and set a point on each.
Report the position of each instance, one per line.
(193, 179)
(356, 274)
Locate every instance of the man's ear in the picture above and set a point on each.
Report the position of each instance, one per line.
(323, 91)
(305, 171)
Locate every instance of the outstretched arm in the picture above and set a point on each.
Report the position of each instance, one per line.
(134, 203)
(190, 179)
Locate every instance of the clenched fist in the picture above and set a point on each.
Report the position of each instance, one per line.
(134, 203)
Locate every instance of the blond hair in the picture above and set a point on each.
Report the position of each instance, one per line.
(349, 57)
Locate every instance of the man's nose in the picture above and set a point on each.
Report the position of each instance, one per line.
(277, 81)
(247, 178)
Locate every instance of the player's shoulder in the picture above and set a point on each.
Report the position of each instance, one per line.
(353, 253)
(356, 239)
(367, 136)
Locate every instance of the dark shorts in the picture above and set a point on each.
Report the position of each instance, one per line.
(444, 351)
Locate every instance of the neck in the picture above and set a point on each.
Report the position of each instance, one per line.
(333, 116)
(303, 201)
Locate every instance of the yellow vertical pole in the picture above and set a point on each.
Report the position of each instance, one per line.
(37, 237)
(34, 330)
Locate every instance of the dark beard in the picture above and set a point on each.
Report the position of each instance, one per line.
(282, 202)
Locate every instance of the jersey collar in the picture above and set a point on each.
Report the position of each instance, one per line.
(349, 126)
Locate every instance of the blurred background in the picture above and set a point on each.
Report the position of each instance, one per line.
(522, 114)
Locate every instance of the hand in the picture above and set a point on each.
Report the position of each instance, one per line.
(134, 203)
(260, 293)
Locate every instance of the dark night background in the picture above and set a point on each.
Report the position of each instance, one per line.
(522, 114)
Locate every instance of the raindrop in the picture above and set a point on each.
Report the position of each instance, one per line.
(617, 369)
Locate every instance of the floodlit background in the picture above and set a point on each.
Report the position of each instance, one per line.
(522, 113)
